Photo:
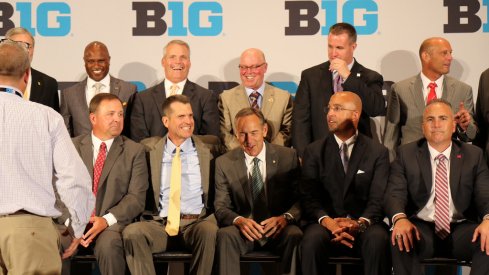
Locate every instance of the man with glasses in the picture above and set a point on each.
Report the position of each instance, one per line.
(41, 88)
(274, 103)
(75, 99)
(341, 72)
(344, 176)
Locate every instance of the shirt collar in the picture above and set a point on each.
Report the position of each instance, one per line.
(186, 146)
(260, 90)
(434, 153)
(349, 141)
(105, 81)
(426, 81)
(96, 142)
(261, 156)
(180, 85)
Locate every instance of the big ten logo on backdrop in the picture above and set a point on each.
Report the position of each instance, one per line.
(45, 19)
(463, 16)
(306, 19)
(196, 18)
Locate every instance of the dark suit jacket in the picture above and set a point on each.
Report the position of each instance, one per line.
(74, 106)
(315, 90)
(44, 90)
(326, 190)
(410, 181)
(482, 112)
(208, 148)
(124, 180)
(147, 111)
(233, 187)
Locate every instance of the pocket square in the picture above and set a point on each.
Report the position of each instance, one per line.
(360, 172)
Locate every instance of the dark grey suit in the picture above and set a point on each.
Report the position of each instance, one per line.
(409, 188)
(121, 192)
(405, 107)
(234, 198)
(144, 238)
(327, 191)
(315, 90)
(146, 113)
(482, 112)
(74, 105)
(44, 90)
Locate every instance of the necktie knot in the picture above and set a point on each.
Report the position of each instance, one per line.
(98, 87)
(432, 85)
(256, 161)
(254, 99)
(174, 89)
(103, 147)
(432, 93)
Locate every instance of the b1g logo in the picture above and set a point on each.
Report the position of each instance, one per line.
(44, 11)
(462, 16)
(303, 21)
(150, 19)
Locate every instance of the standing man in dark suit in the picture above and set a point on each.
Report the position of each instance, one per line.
(180, 204)
(409, 97)
(75, 99)
(344, 176)
(482, 112)
(256, 209)
(120, 180)
(147, 112)
(437, 193)
(41, 88)
(341, 73)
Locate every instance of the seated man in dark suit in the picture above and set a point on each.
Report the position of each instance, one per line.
(75, 99)
(344, 176)
(180, 200)
(120, 181)
(256, 209)
(147, 112)
(41, 88)
(437, 193)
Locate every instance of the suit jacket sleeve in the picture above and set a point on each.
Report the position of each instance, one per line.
(283, 137)
(368, 85)
(138, 128)
(471, 131)
(392, 123)
(481, 190)
(65, 113)
(301, 119)
(223, 204)
(226, 125)
(396, 195)
(132, 204)
(481, 110)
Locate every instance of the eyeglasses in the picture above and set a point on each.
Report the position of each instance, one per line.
(253, 67)
(337, 109)
(22, 43)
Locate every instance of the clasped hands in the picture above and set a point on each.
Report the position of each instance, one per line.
(344, 230)
(254, 231)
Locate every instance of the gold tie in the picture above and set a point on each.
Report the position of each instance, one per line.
(98, 87)
(173, 219)
(174, 89)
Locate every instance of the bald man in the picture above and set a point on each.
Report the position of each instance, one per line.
(344, 176)
(274, 103)
(75, 99)
(409, 97)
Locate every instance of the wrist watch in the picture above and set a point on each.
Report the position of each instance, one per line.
(288, 219)
(362, 225)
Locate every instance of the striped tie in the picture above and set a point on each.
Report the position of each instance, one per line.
(442, 217)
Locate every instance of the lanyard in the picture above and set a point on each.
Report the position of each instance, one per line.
(10, 91)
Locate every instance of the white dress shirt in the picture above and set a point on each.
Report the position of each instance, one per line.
(90, 89)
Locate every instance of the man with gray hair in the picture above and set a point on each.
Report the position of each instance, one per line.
(147, 111)
(41, 88)
(37, 157)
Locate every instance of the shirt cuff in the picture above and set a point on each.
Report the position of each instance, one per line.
(111, 220)
(236, 218)
(320, 219)
(394, 217)
(290, 215)
(368, 220)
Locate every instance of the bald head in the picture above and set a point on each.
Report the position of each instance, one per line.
(255, 53)
(351, 100)
(97, 60)
(14, 65)
(344, 110)
(430, 43)
(436, 57)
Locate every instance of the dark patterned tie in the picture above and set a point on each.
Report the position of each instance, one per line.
(442, 216)
(254, 100)
(337, 84)
(344, 156)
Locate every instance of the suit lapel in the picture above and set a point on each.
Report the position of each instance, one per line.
(241, 98)
(326, 84)
(86, 153)
(448, 91)
(114, 152)
(268, 100)
(416, 89)
(36, 86)
(272, 166)
(159, 96)
(156, 159)
(204, 156)
(188, 90)
(241, 170)
(355, 159)
(115, 87)
(455, 169)
(424, 161)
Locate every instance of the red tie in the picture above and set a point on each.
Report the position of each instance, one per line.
(99, 165)
(254, 100)
(432, 94)
(442, 217)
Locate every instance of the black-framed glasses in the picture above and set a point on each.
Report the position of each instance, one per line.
(336, 109)
(22, 43)
(253, 67)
